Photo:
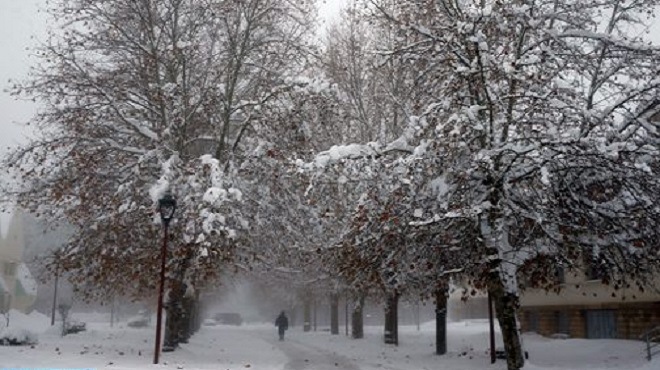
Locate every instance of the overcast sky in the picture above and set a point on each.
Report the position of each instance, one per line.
(20, 21)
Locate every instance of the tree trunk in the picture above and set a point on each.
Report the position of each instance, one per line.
(192, 322)
(417, 315)
(175, 313)
(314, 313)
(346, 303)
(391, 319)
(491, 330)
(293, 316)
(506, 305)
(186, 319)
(441, 320)
(307, 313)
(334, 313)
(197, 313)
(357, 319)
(502, 284)
(112, 312)
(179, 308)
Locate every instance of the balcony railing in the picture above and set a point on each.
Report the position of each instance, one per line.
(652, 339)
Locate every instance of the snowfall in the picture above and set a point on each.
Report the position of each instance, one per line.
(256, 347)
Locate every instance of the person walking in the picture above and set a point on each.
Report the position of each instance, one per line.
(282, 323)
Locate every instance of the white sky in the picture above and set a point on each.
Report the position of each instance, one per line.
(329, 9)
(20, 21)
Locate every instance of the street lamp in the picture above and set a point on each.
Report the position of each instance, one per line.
(57, 277)
(166, 208)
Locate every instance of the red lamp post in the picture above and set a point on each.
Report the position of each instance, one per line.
(166, 208)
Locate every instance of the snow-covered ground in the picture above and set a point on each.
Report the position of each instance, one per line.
(256, 347)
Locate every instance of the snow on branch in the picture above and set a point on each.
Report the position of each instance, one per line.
(162, 185)
(337, 153)
(605, 38)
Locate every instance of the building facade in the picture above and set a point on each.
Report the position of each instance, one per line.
(586, 308)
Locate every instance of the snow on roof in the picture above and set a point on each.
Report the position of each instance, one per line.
(24, 276)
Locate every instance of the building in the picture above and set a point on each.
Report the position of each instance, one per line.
(586, 308)
(583, 308)
(18, 289)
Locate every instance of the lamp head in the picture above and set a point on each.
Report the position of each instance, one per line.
(166, 208)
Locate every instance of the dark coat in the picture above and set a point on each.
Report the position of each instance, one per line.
(282, 322)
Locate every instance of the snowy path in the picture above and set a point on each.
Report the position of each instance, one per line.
(294, 353)
(303, 356)
(230, 347)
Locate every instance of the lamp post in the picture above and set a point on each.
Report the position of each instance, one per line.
(166, 208)
(57, 277)
(491, 326)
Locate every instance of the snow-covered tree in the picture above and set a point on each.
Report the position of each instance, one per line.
(378, 90)
(528, 143)
(143, 97)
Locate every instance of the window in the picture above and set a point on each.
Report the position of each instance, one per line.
(601, 324)
(592, 272)
(532, 321)
(563, 322)
(561, 275)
